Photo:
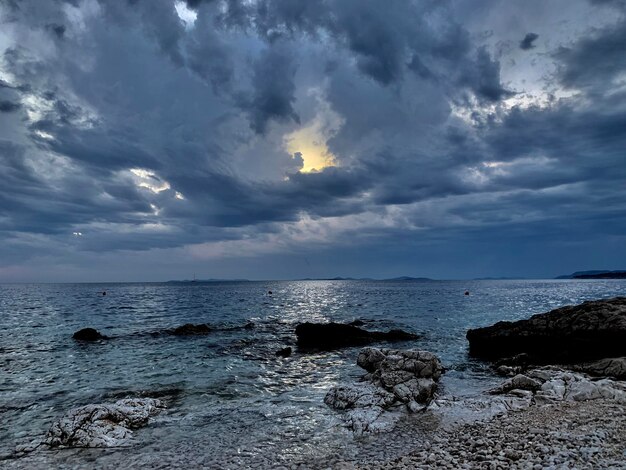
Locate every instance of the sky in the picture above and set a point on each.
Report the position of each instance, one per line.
(278, 139)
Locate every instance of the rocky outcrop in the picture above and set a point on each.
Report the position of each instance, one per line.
(519, 382)
(189, 329)
(549, 385)
(102, 425)
(394, 377)
(591, 330)
(337, 335)
(88, 334)
(610, 367)
(364, 405)
(200, 329)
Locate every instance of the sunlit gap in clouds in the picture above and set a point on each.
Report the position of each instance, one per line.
(186, 14)
(310, 142)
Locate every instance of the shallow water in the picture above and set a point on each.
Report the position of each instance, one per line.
(232, 402)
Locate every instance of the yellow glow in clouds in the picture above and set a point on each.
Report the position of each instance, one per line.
(313, 148)
(311, 139)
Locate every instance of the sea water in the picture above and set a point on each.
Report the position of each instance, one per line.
(232, 403)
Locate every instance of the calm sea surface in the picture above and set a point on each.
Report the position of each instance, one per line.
(232, 403)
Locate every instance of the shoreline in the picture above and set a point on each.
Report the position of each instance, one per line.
(582, 434)
(563, 435)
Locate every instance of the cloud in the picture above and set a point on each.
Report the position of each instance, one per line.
(528, 41)
(273, 97)
(155, 137)
(8, 106)
(484, 79)
(592, 61)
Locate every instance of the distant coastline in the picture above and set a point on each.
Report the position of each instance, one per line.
(596, 274)
(396, 279)
(593, 274)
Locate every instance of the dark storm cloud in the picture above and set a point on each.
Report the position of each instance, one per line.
(8, 106)
(274, 92)
(593, 62)
(528, 41)
(143, 132)
(57, 29)
(484, 78)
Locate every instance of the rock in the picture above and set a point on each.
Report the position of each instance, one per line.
(551, 391)
(508, 370)
(519, 382)
(521, 361)
(591, 330)
(102, 425)
(395, 377)
(583, 390)
(190, 329)
(364, 403)
(285, 352)
(609, 367)
(88, 334)
(520, 393)
(360, 395)
(336, 335)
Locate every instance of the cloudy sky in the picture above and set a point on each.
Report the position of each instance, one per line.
(272, 139)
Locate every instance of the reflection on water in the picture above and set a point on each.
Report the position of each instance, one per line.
(231, 400)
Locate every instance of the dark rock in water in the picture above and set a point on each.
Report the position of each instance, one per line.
(520, 360)
(190, 329)
(88, 334)
(247, 326)
(285, 352)
(336, 335)
(357, 323)
(591, 330)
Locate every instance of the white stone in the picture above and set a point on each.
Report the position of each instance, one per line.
(102, 425)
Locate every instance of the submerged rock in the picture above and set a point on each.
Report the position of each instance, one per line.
(190, 329)
(336, 335)
(395, 377)
(102, 425)
(591, 330)
(88, 334)
(285, 352)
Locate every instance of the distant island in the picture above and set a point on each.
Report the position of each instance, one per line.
(401, 278)
(499, 278)
(205, 281)
(596, 274)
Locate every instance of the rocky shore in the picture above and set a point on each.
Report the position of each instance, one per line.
(588, 434)
(569, 415)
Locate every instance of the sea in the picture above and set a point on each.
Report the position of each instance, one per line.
(231, 402)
